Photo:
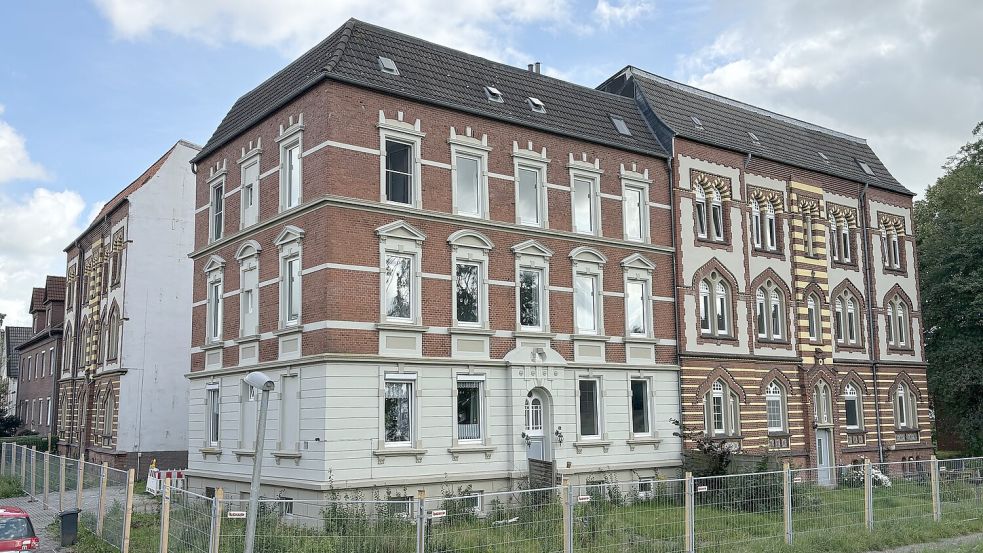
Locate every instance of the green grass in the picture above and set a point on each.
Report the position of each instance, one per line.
(144, 537)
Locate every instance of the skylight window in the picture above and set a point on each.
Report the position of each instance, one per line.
(823, 157)
(494, 95)
(697, 122)
(754, 138)
(620, 126)
(388, 66)
(536, 105)
(865, 167)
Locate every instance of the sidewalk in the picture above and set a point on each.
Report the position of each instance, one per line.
(972, 543)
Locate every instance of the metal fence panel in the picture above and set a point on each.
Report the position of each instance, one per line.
(741, 508)
(826, 499)
(961, 488)
(629, 516)
(902, 491)
(190, 525)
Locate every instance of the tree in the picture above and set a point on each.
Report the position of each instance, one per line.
(949, 221)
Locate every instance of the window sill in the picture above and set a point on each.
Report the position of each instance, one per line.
(292, 329)
(533, 334)
(893, 271)
(901, 350)
(779, 434)
(581, 444)
(213, 345)
(849, 265)
(381, 454)
(641, 441)
(590, 337)
(477, 331)
(408, 327)
(210, 450)
(776, 253)
(287, 455)
(640, 340)
(717, 338)
(457, 451)
(247, 339)
(240, 453)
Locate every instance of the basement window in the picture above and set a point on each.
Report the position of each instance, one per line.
(388, 66)
(620, 126)
(494, 95)
(536, 105)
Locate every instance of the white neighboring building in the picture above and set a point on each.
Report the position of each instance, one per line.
(128, 294)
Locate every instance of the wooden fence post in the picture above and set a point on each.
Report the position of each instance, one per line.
(47, 479)
(101, 517)
(690, 510)
(61, 483)
(421, 520)
(868, 495)
(165, 515)
(787, 500)
(936, 495)
(128, 512)
(213, 540)
(34, 473)
(23, 467)
(566, 501)
(3, 458)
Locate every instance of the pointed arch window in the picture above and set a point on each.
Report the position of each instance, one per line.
(833, 239)
(715, 304)
(113, 329)
(775, 407)
(812, 314)
(809, 237)
(755, 223)
(722, 410)
(896, 322)
(717, 216)
(845, 237)
(770, 311)
(771, 228)
(905, 407)
(823, 404)
(701, 212)
(534, 414)
(852, 406)
(847, 319)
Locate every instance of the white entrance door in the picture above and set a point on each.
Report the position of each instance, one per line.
(824, 456)
(535, 415)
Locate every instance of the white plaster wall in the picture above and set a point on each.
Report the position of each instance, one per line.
(157, 304)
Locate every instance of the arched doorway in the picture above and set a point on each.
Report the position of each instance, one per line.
(538, 422)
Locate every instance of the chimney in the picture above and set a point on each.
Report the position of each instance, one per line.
(529, 67)
(536, 68)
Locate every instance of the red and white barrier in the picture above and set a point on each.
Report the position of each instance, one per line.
(156, 477)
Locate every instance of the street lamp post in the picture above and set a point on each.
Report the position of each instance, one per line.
(263, 384)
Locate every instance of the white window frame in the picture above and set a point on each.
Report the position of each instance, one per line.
(717, 212)
(755, 223)
(808, 234)
(481, 292)
(823, 401)
(213, 415)
(248, 265)
(812, 316)
(215, 302)
(646, 299)
(249, 215)
(290, 408)
(702, 215)
(596, 298)
(540, 171)
(592, 181)
(901, 407)
(479, 379)
(216, 209)
(406, 133)
(730, 410)
(895, 249)
(771, 227)
(598, 409)
(401, 239)
(531, 255)
(479, 153)
(845, 245)
(470, 247)
(710, 294)
(290, 245)
(833, 239)
(775, 392)
(543, 294)
(643, 209)
(850, 393)
(289, 141)
(408, 379)
(588, 264)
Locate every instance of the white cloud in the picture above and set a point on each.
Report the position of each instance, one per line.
(36, 228)
(15, 163)
(906, 77)
(619, 14)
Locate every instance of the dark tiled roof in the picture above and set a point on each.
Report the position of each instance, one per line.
(37, 300)
(54, 288)
(727, 122)
(438, 75)
(14, 336)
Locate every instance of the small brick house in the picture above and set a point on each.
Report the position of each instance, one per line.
(800, 330)
(40, 359)
(453, 270)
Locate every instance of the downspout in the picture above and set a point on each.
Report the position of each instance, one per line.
(675, 292)
(869, 292)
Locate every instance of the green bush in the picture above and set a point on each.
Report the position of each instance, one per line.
(10, 487)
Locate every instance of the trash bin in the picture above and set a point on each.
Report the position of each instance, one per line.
(69, 526)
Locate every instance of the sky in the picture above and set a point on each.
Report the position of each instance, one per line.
(93, 91)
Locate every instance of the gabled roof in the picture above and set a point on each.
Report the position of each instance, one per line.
(720, 121)
(54, 288)
(441, 76)
(37, 300)
(14, 336)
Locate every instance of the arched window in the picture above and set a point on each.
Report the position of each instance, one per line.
(905, 408)
(112, 336)
(851, 320)
(771, 228)
(896, 322)
(845, 236)
(808, 234)
(812, 313)
(847, 319)
(68, 345)
(701, 211)
(893, 250)
(775, 407)
(717, 216)
(722, 410)
(824, 404)
(770, 311)
(714, 305)
(108, 413)
(756, 223)
(534, 414)
(851, 403)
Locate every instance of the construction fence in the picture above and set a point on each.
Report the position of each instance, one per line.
(742, 512)
(52, 484)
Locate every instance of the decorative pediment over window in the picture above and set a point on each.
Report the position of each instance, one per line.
(532, 247)
(401, 230)
(637, 261)
(248, 249)
(723, 374)
(588, 255)
(470, 239)
(215, 263)
(289, 234)
(853, 378)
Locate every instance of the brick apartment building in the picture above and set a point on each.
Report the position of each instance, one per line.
(12, 336)
(122, 391)
(800, 322)
(452, 268)
(40, 359)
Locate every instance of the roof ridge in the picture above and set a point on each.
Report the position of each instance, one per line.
(743, 105)
(497, 63)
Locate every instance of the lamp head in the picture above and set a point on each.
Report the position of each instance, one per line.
(259, 380)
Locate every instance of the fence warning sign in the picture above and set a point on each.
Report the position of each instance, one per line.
(438, 514)
(237, 514)
(583, 499)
